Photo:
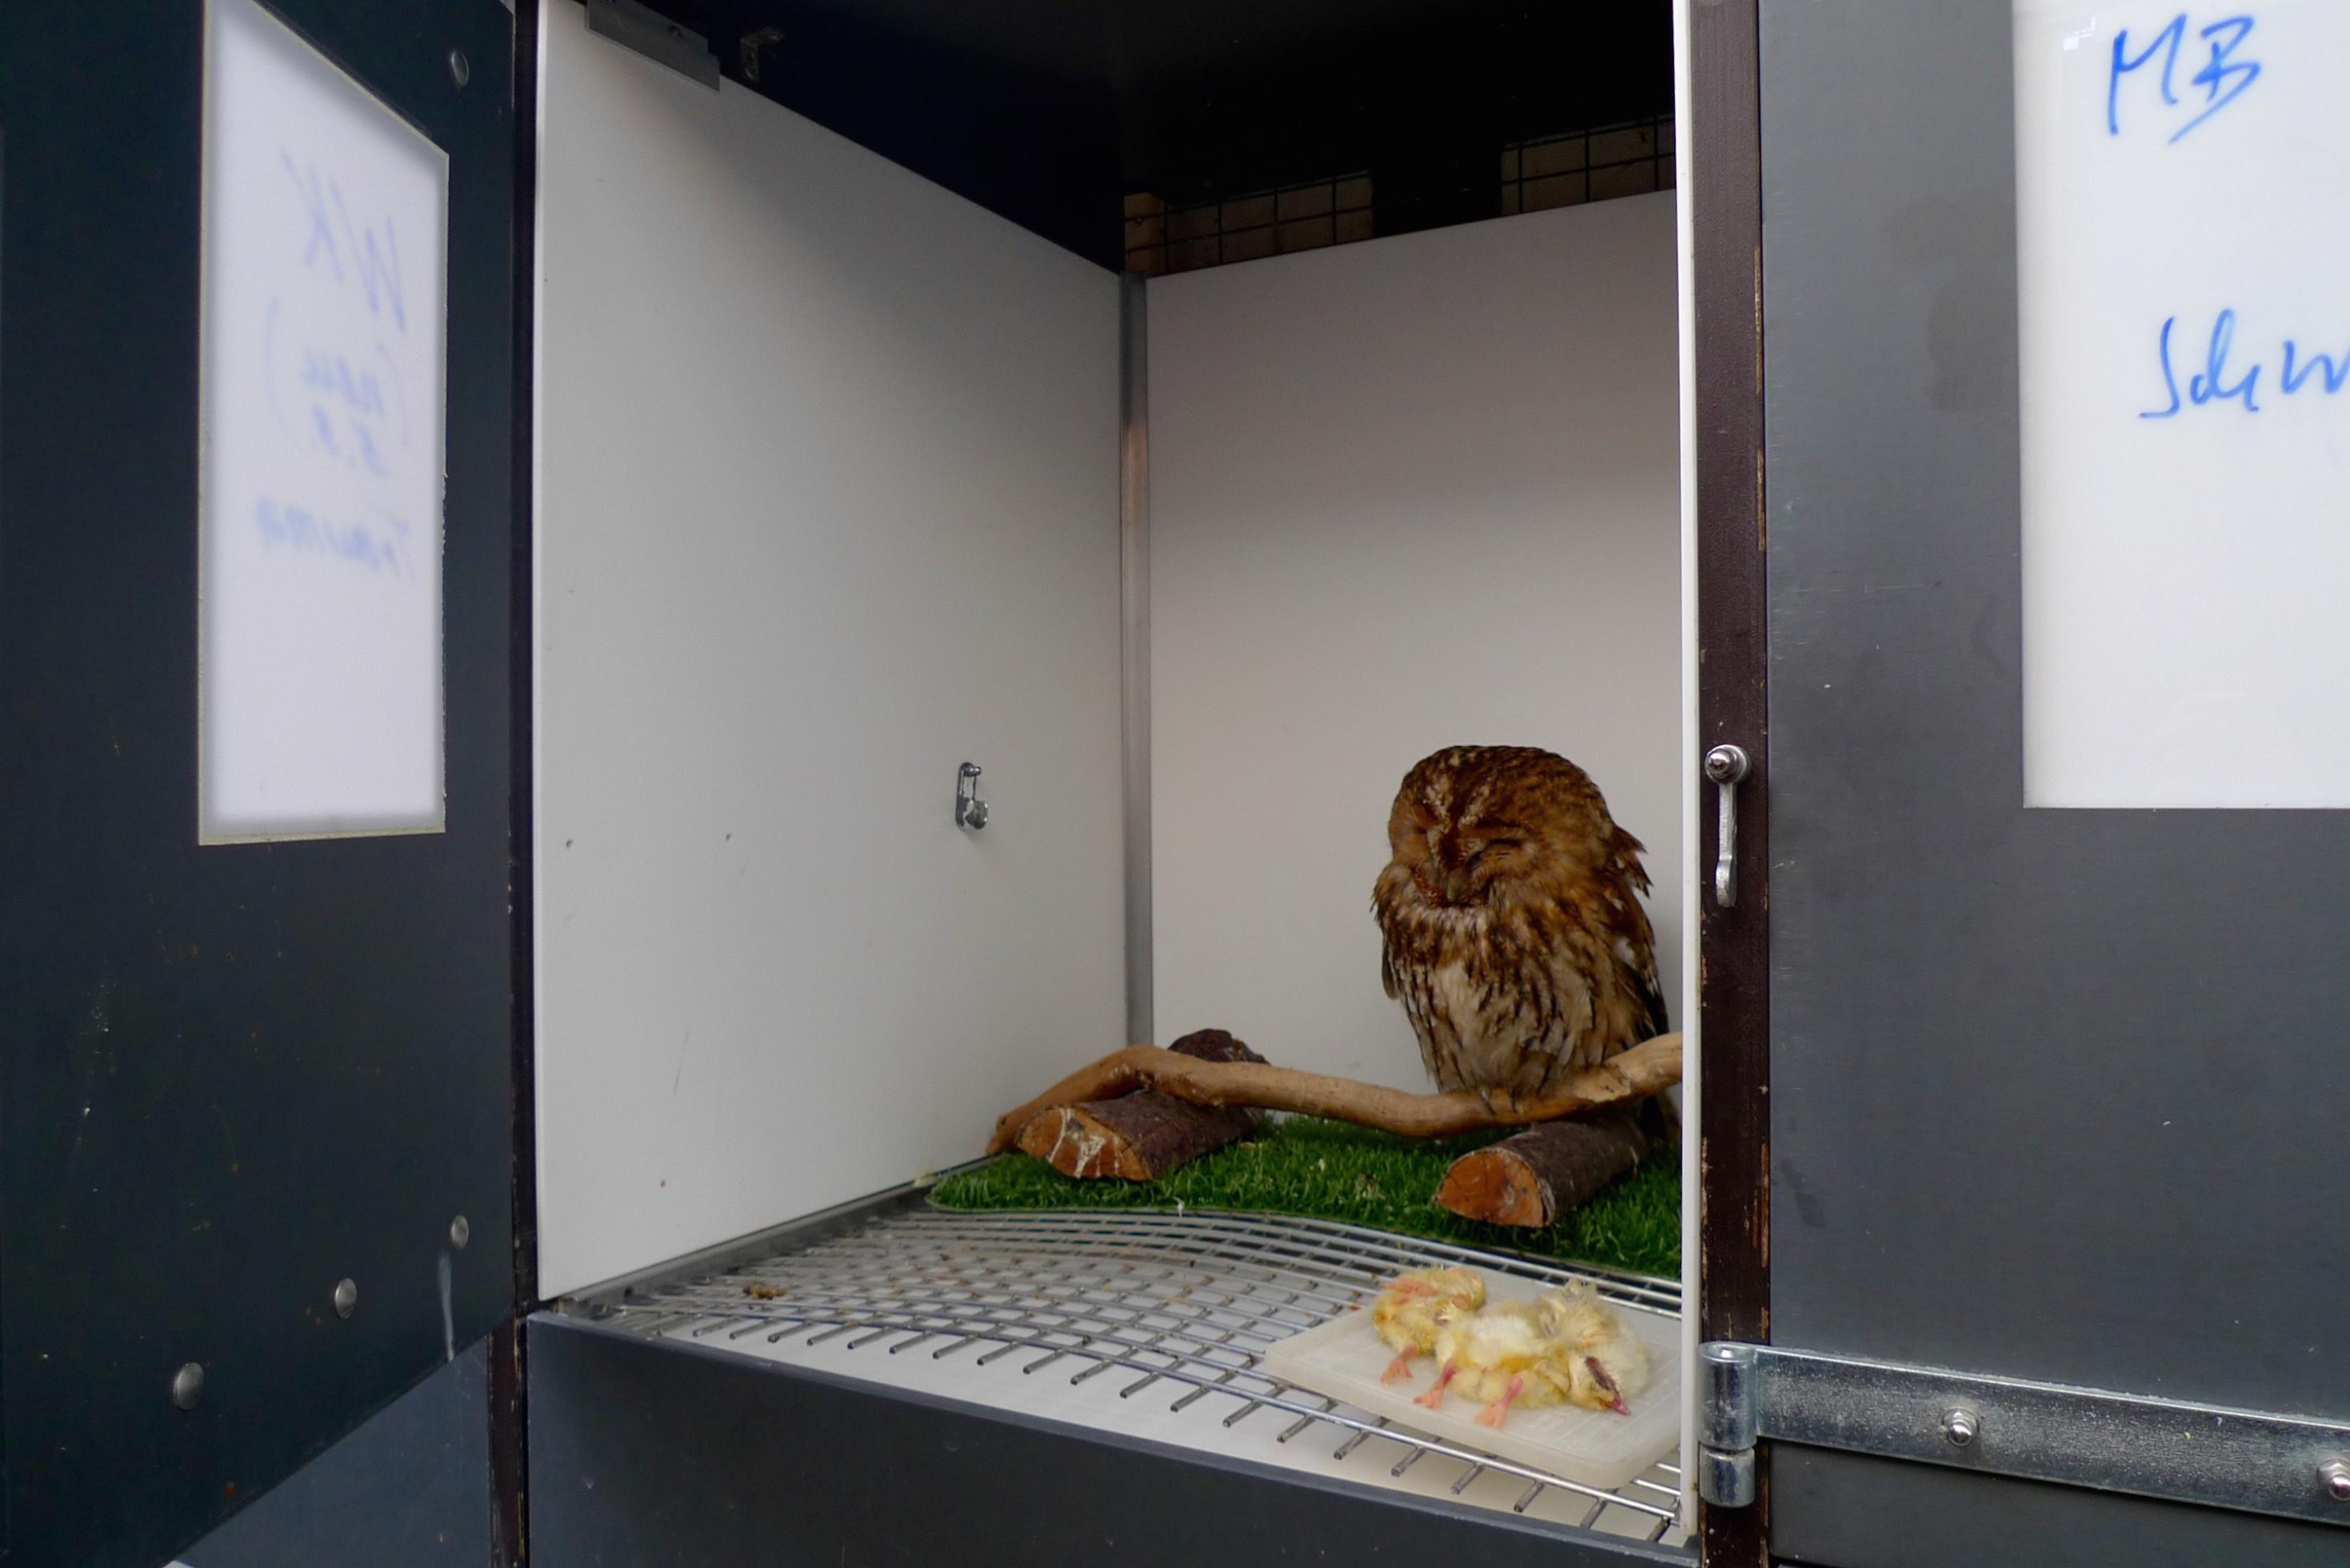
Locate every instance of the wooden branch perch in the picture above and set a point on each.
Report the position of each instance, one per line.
(1643, 1070)
(1143, 1136)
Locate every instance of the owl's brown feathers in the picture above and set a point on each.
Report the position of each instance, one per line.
(1511, 912)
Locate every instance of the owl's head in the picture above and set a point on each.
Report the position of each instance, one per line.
(1484, 826)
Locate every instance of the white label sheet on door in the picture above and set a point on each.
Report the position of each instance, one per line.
(325, 260)
(2183, 217)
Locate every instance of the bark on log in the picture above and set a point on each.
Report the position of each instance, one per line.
(1641, 1071)
(1545, 1172)
(1143, 1136)
(1140, 1138)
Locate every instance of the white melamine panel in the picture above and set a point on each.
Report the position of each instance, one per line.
(326, 257)
(827, 505)
(2185, 382)
(1406, 495)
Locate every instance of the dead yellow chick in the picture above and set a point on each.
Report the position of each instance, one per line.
(1588, 1352)
(1502, 1355)
(1413, 1309)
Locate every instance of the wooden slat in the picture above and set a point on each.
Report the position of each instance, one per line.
(509, 1475)
(1723, 152)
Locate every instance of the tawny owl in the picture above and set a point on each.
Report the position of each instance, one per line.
(1514, 936)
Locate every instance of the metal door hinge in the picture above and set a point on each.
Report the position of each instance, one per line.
(1725, 1424)
(2293, 1466)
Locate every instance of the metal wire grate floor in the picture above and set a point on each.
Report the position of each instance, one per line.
(1149, 1324)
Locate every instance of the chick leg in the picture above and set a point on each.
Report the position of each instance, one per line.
(1434, 1398)
(1400, 1367)
(1496, 1412)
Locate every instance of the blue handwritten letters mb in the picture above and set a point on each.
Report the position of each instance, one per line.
(2223, 76)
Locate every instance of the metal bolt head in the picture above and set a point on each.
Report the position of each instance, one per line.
(346, 1298)
(1728, 765)
(188, 1386)
(2335, 1476)
(1961, 1427)
(460, 1232)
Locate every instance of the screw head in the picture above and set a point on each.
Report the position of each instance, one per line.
(1727, 764)
(460, 1232)
(461, 70)
(1959, 1427)
(188, 1386)
(347, 1297)
(2335, 1476)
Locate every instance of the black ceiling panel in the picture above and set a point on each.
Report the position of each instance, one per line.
(1049, 111)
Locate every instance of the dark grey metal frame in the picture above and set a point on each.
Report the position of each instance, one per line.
(1720, 150)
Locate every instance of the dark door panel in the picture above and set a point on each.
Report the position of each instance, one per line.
(233, 1076)
(2055, 1094)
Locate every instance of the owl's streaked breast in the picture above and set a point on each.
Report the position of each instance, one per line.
(1498, 1025)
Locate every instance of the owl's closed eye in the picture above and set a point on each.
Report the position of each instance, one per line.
(1511, 919)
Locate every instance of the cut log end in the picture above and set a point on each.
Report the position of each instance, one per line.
(1495, 1185)
(1075, 1144)
(1137, 1137)
(1539, 1176)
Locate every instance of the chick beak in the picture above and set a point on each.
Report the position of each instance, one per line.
(1615, 1395)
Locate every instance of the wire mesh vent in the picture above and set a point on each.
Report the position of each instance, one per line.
(1629, 159)
(1318, 212)
(1151, 1323)
(1596, 165)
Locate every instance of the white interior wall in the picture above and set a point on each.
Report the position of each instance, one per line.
(1406, 494)
(828, 503)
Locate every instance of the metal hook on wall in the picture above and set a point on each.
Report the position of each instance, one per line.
(970, 811)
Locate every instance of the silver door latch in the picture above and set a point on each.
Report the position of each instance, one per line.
(1726, 766)
(969, 810)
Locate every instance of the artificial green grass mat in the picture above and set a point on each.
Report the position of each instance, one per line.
(1332, 1170)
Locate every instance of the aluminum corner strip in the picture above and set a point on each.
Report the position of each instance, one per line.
(637, 26)
(1134, 642)
(2253, 1461)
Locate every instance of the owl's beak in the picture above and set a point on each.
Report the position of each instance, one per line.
(1456, 885)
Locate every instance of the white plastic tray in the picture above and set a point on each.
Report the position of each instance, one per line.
(1344, 1357)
